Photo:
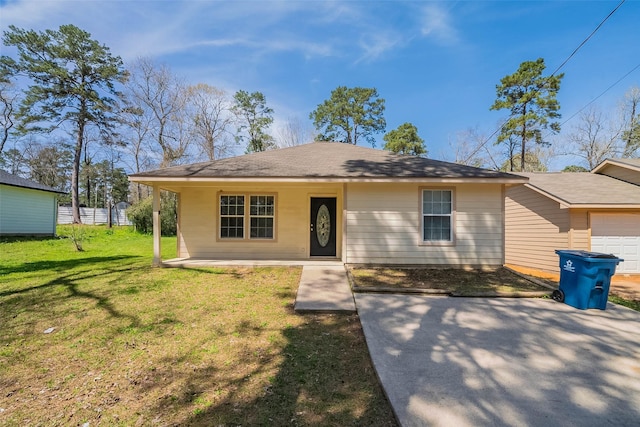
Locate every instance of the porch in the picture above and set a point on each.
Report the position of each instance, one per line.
(204, 262)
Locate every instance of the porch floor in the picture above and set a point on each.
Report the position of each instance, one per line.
(204, 262)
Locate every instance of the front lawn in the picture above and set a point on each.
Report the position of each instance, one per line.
(101, 337)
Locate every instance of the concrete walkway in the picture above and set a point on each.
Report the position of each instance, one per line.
(503, 362)
(324, 289)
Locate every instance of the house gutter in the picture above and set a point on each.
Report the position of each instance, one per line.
(172, 180)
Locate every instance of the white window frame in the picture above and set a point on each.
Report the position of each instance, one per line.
(451, 215)
(236, 215)
(259, 216)
(247, 216)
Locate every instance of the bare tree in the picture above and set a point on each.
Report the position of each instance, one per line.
(470, 148)
(594, 138)
(13, 161)
(49, 164)
(631, 122)
(535, 159)
(8, 102)
(157, 94)
(211, 118)
(137, 131)
(294, 132)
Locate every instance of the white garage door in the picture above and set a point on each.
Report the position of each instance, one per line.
(618, 234)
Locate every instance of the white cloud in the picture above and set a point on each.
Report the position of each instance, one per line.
(158, 28)
(437, 24)
(376, 44)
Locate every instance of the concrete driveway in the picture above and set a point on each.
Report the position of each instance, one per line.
(504, 362)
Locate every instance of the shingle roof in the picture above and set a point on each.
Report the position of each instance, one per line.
(325, 160)
(631, 162)
(15, 181)
(584, 188)
(634, 163)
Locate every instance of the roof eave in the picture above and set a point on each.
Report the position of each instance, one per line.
(612, 162)
(592, 206)
(150, 180)
(563, 203)
(33, 188)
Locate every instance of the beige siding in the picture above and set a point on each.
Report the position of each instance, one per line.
(580, 234)
(535, 227)
(198, 219)
(384, 226)
(25, 211)
(622, 173)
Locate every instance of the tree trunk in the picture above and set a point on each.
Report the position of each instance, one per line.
(524, 139)
(75, 203)
(109, 220)
(512, 150)
(631, 124)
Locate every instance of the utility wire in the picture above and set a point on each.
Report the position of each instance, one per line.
(587, 39)
(474, 152)
(597, 97)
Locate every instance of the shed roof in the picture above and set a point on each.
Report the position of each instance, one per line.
(7, 178)
(325, 160)
(582, 189)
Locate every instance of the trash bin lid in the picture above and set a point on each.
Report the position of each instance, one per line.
(586, 254)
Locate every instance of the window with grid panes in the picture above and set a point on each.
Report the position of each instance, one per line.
(437, 215)
(261, 217)
(232, 217)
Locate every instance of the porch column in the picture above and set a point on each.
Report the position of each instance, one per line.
(157, 258)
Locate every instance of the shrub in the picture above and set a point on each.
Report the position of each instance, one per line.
(141, 214)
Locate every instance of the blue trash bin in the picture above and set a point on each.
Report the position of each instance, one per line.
(585, 278)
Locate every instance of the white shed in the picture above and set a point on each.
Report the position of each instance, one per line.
(27, 208)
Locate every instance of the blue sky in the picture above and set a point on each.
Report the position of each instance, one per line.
(435, 63)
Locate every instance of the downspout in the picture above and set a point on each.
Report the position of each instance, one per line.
(157, 258)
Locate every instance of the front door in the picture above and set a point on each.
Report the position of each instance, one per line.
(323, 226)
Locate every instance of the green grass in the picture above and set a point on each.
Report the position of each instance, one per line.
(630, 303)
(136, 345)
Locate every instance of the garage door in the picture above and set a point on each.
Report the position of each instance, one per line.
(618, 234)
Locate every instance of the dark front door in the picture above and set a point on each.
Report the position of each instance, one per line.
(323, 226)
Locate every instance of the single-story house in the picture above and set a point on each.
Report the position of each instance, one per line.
(596, 211)
(334, 201)
(26, 207)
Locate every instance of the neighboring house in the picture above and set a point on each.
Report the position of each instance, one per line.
(623, 169)
(26, 207)
(597, 211)
(336, 201)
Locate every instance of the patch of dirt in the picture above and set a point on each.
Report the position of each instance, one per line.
(453, 281)
(626, 287)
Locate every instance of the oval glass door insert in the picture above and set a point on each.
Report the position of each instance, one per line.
(323, 225)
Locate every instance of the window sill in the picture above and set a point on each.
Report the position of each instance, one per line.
(436, 243)
(247, 240)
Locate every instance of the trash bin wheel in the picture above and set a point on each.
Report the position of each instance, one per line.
(558, 295)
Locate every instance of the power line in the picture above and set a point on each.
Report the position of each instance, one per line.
(588, 37)
(474, 152)
(603, 92)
